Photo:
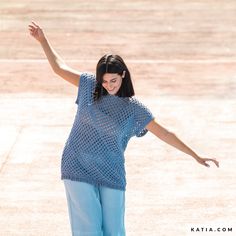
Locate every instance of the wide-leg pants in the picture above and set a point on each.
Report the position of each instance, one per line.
(95, 211)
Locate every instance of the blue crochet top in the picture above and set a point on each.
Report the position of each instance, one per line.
(94, 151)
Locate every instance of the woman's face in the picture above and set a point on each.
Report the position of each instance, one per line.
(112, 82)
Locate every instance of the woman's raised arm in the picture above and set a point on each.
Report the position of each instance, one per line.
(56, 62)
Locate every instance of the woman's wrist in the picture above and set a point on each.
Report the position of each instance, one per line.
(195, 156)
(43, 40)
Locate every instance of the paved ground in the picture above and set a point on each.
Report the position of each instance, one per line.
(182, 58)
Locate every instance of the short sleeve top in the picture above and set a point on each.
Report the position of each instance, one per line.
(94, 150)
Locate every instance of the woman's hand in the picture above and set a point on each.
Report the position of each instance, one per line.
(36, 32)
(204, 161)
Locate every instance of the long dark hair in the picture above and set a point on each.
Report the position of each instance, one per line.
(110, 63)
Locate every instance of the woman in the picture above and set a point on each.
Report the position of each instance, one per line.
(92, 164)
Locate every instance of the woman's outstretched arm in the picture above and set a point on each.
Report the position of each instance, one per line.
(56, 62)
(174, 141)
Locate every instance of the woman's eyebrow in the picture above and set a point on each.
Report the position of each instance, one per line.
(111, 79)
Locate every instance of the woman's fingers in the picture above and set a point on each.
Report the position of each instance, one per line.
(216, 162)
(205, 164)
(35, 24)
(32, 30)
(33, 27)
(204, 161)
(212, 160)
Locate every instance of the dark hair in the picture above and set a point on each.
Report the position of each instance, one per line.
(110, 63)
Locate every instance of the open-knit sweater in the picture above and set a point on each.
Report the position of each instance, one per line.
(94, 150)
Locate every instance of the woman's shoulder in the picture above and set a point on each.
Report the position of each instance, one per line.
(87, 79)
(88, 75)
(137, 105)
(135, 101)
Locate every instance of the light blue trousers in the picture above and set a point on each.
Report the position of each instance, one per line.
(95, 211)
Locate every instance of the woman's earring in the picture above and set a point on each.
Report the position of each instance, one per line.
(123, 75)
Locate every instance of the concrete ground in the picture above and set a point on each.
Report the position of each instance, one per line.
(182, 57)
